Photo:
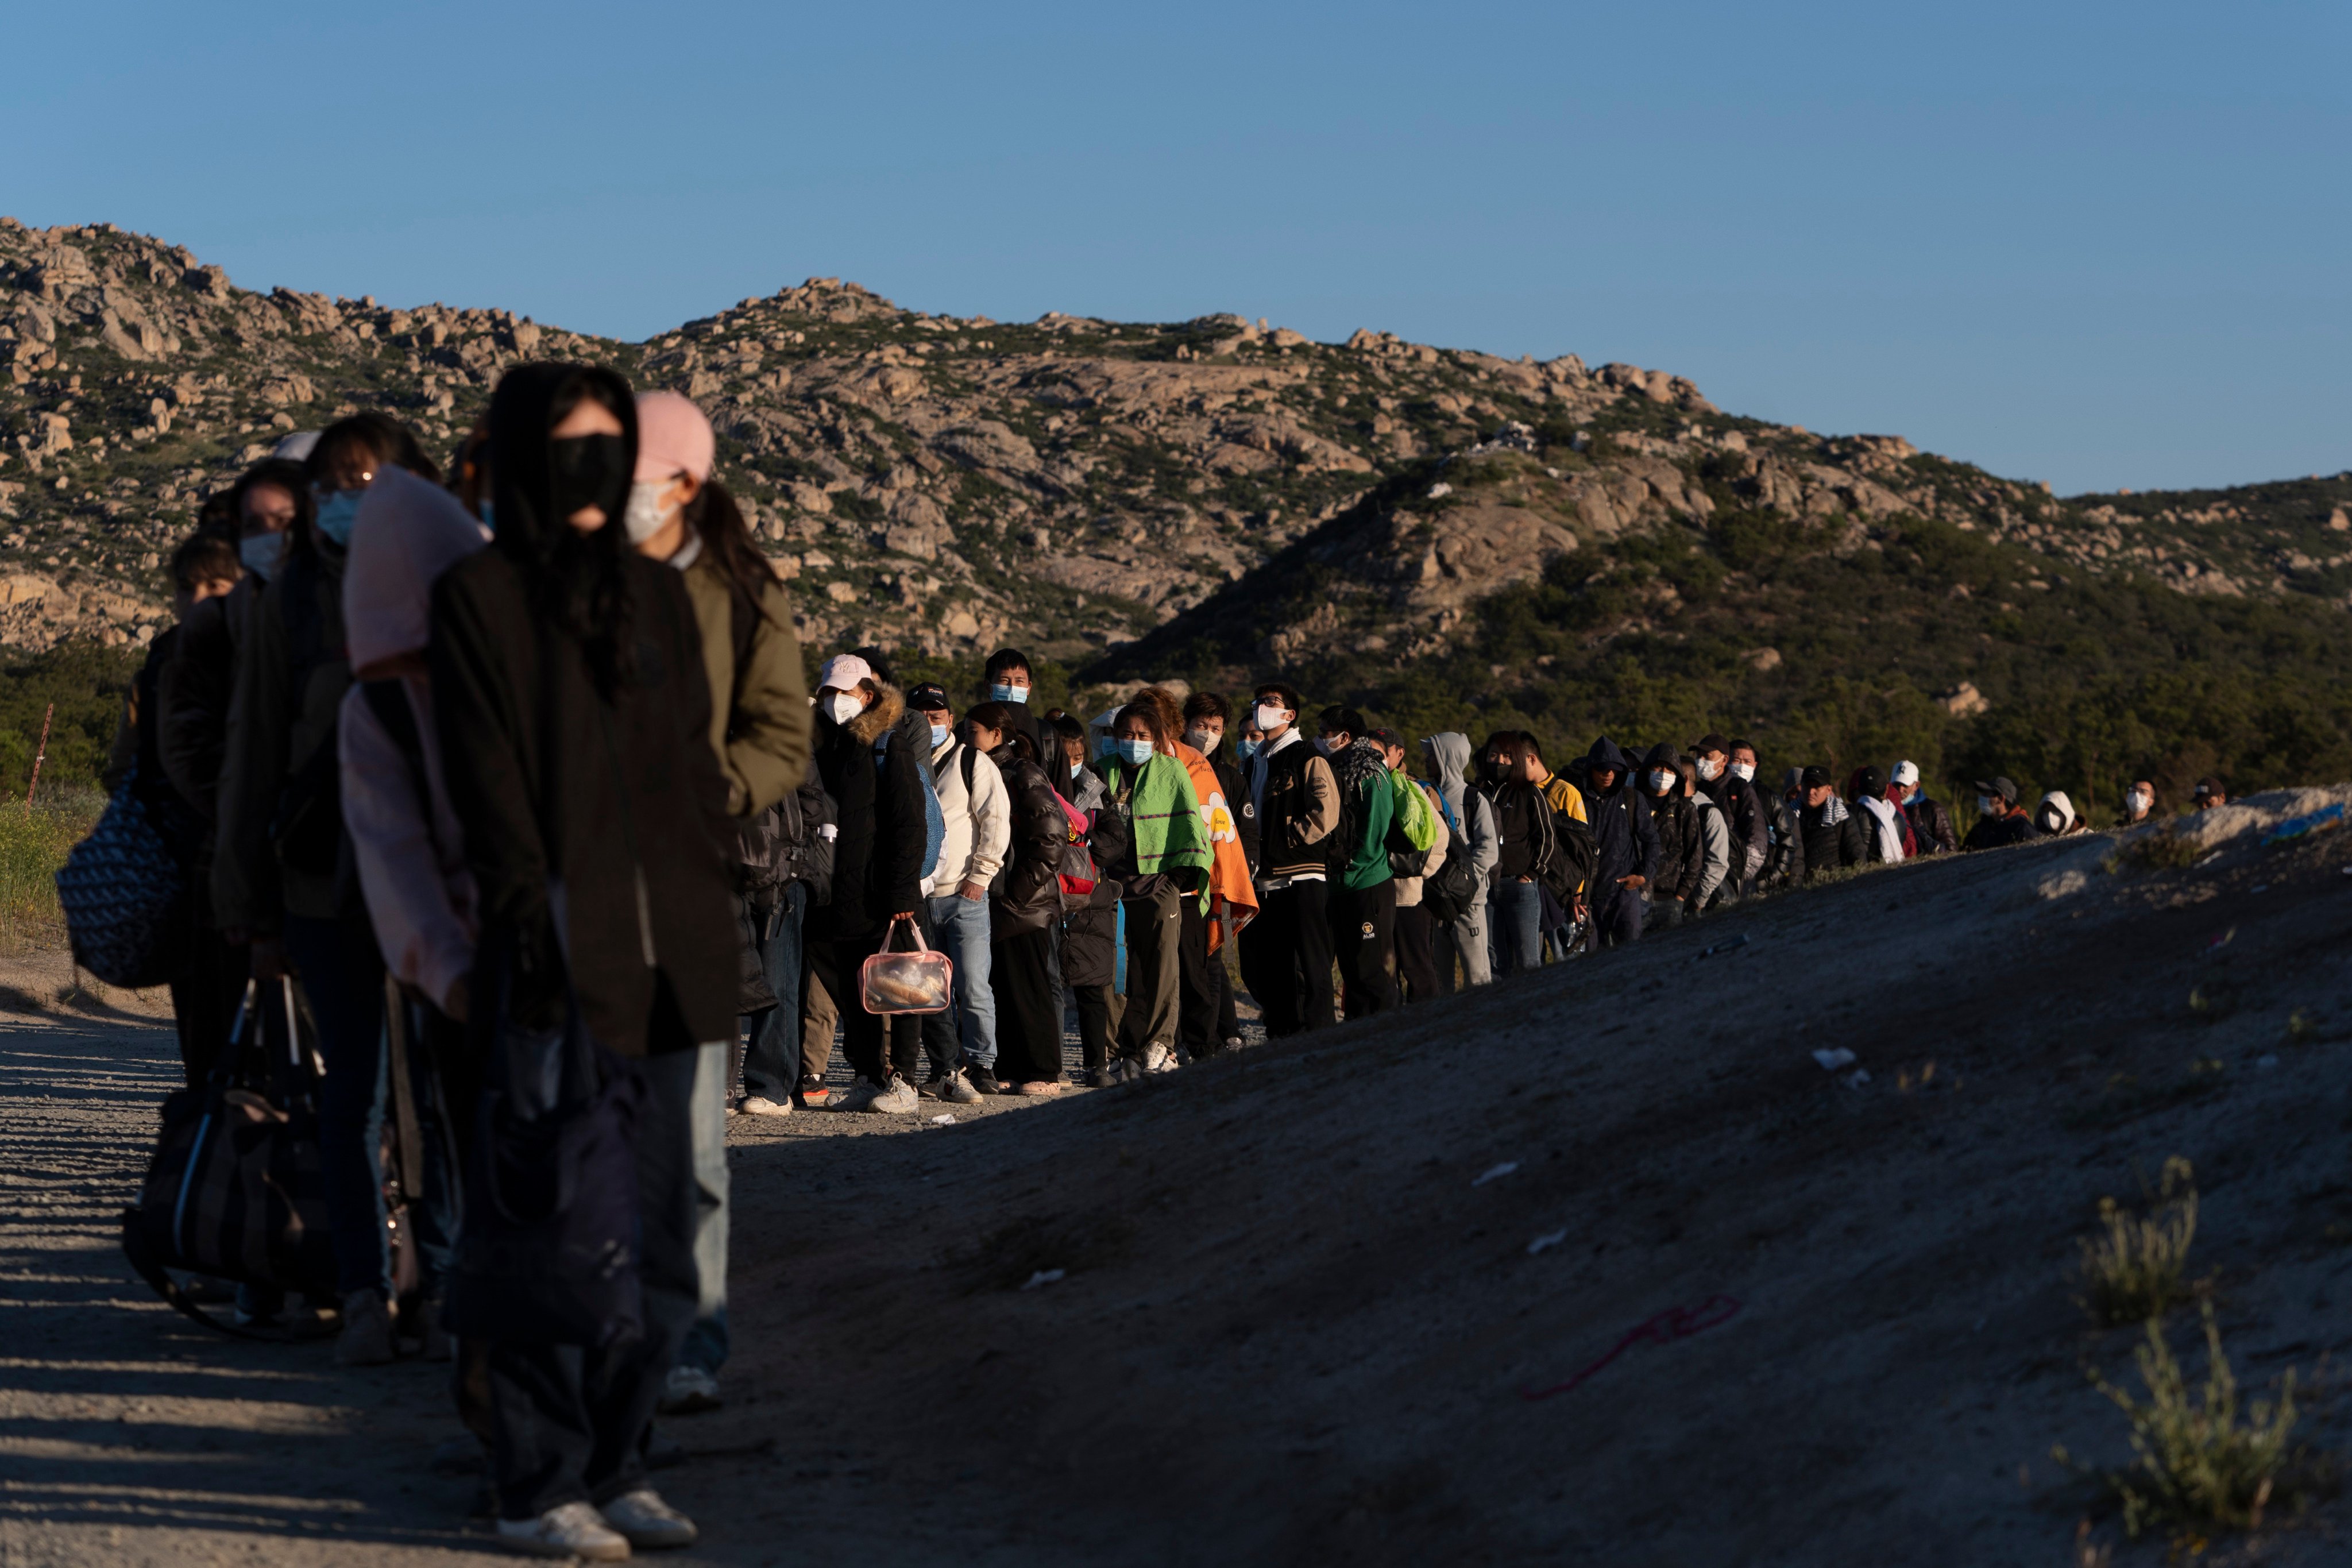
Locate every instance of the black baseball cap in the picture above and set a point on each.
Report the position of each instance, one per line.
(1814, 778)
(929, 696)
(1386, 737)
(2000, 786)
(1710, 741)
(1872, 783)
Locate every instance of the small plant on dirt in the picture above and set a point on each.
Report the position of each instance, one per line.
(2200, 1468)
(2162, 850)
(2135, 1268)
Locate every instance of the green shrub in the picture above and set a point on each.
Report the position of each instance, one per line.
(32, 846)
(2135, 1268)
(2199, 1467)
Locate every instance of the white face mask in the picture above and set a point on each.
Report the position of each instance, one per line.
(1988, 805)
(844, 706)
(1743, 771)
(1200, 741)
(1658, 778)
(1272, 719)
(1709, 769)
(2137, 801)
(261, 552)
(1323, 744)
(646, 514)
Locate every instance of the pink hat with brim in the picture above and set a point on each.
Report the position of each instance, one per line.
(673, 438)
(842, 671)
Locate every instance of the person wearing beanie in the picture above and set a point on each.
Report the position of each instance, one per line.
(678, 513)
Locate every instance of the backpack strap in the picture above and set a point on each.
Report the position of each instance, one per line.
(968, 755)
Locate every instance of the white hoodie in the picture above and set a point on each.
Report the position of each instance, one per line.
(979, 827)
(411, 859)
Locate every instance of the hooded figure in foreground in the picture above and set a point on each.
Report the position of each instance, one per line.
(574, 720)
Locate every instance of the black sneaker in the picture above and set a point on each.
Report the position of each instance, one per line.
(982, 1078)
(813, 1094)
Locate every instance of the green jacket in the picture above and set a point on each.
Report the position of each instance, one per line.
(1165, 816)
(758, 712)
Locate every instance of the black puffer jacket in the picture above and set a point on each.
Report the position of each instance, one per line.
(1827, 835)
(878, 850)
(1027, 893)
(1090, 933)
(1681, 851)
(1622, 832)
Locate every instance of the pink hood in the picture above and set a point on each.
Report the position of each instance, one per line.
(409, 530)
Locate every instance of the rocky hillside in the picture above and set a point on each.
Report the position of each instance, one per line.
(940, 483)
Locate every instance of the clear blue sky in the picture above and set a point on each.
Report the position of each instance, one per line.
(2096, 245)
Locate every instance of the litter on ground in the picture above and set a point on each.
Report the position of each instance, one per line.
(1496, 1173)
(1832, 1058)
(1043, 1276)
(1548, 1238)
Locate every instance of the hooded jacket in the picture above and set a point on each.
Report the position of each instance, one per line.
(406, 841)
(2014, 826)
(2058, 805)
(1715, 852)
(1745, 818)
(1412, 870)
(1449, 754)
(1624, 836)
(595, 823)
(877, 849)
(979, 826)
(278, 847)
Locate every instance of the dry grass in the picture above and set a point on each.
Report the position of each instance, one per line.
(2200, 1468)
(2135, 1268)
(31, 847)
(2162, 850)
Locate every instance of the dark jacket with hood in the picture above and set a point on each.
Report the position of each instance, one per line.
(192, 702)
(1750, 822)
(1932, 824)
(1623, 833)
(575, 730)
(2014, 826)
(878, 850)
(1027, 893)
(279, 848)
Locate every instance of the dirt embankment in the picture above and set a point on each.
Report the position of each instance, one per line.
(1295, 1325)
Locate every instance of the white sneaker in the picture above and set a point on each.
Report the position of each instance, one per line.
(1158, 1058)
(366, 1338)
(760, 1105)
(573, 1529)
(688, 1391)
(898, 1099)
(648, 1521)
(958, 1089)
(858, 1096)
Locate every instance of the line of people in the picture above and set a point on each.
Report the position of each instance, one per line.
(515, 769)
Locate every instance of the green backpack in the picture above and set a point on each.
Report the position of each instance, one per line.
(1413, 823)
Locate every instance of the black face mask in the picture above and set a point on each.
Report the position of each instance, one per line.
(586, 471)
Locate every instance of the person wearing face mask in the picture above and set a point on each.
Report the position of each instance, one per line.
(1205, 1018)
(1887, 832)
(1726, 773)
(1681, 848)
(1027, 899)
(1362, 884)
(979, 816)
(281, 874)
(1932, 832)
(1715, 845)
(874, 772)
(1163, 861)
(2053, 815)
(679, 514)
(1006, 677)
(574, 722)
(2000, 821)
(1286, 954)
(1414, 947)
(1464, 940)
(2140, 804)
(1625, 838)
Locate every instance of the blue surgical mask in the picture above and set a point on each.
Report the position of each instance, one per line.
(261, 552)
(939, 736)
(1323, 744)
(1075, 768)
(1000, 692)
(1135, 754)
(337, 513)
(1247, 748)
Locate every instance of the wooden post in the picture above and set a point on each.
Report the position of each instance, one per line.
(40, 752)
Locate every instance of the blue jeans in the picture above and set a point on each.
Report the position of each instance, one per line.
(706, 1342)
(341, 975)
(772, 1065)
(1515, 909)
(961, 928)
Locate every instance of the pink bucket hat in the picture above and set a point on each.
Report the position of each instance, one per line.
(673, 438)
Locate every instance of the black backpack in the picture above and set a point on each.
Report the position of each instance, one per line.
(1568, 858)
